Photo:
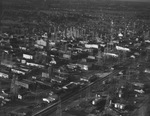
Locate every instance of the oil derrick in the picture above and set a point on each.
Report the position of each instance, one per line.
(127, 77)
(48, 38)
(50, 71)
(59, 109)
(65, 48)
(65, 32)
(0, 85)
(88, 92)
(51, 68)
(119, 58)
(3, 56)
(108, 102)
(112, 30)
(124, 56)
(111, 36)
(43, 59)
(147, 58)
(10, 58)
(125, 31)
(55, 34)
(100, 55)
(14, 87)
(45, 4)
(38, 57)
(112, 89)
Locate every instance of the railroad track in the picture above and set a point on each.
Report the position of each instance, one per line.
(50, 109)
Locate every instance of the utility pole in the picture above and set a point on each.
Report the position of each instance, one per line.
(59, 108)
(88, 92)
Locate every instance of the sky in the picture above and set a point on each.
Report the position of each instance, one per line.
(136, 0)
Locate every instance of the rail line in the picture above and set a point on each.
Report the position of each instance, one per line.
(48, 109)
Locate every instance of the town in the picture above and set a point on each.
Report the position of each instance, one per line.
(74, 58)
